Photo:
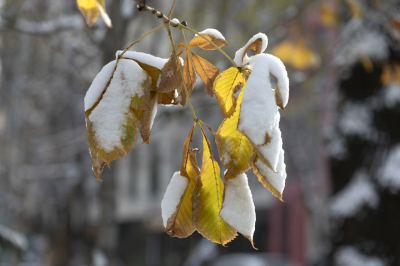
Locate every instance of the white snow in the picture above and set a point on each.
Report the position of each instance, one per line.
(240, 53)
(358, 41)
(258, 110)
(277, 68)
(350, 256)
(104, 15)
(144, 58)
(358, 193)
(17, 239)
(175, 20)
(153, 114)
(391, 95)
(98, 85)
(271, 150)
(277, 180)
(238, 207)
(356, 119)
(172, 197)
(213, 32)
(109, 118)
(389, 174)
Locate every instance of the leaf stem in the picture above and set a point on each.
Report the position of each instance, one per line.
(203, 123)
(180, 26)
(180, 69)
(172, 8)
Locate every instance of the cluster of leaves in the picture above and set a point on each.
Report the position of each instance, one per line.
(122, 101)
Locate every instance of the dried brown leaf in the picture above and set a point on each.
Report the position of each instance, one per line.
(203, 44)
(206, 71)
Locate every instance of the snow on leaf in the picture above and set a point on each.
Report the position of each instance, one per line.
(98, 85)
(211, 34)
(173, 196)
(91, 9)
(238, 207)
(235, 149)
(111, 122)
(180, 223)
(207, 202)
(298, 55)
(226, 85)
(206, 71)
(358, 193)
(273, 181)
(259, 116)
(258, 43)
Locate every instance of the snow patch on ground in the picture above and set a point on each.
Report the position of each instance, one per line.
(358, 193)
(350, 256)
(238, 207)
(110, 116)
(175, 190)
(98, 85)
(389, 174)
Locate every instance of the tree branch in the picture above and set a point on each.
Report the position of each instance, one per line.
(143, 7)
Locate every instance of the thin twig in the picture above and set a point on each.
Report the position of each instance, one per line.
(172, 8)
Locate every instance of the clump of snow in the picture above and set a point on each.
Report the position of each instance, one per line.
(110, 116)
(172, 197)
(258, 110)
(389, 174)
(391, 95)
(98, 85)
(175, 20)
(238, 207)
(271, 150)
(240, 58)
(144, 58)
(213, 32)
(277, 180)
(356, 119)
(153, 114)
(358, 193)
(350, 256)
(277, 68)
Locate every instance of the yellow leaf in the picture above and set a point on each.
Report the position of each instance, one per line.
(208, 195)
(180, 224)
(189, 76)
(206, 71)
(263, 178)
(203, 44)
(170, 76)
(91, 9)
(225, 86)
(355, 8)
(296, 55)
(328, 14)
(235, 149)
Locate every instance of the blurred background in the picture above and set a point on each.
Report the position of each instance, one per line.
(341, 134)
